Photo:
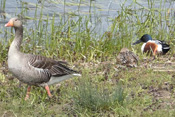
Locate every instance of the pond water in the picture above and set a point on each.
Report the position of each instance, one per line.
(102, 9)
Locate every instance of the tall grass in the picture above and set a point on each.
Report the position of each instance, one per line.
(75, 40)
(3, 2)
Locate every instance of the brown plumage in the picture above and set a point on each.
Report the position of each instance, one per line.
(128, 58)
(150, 48)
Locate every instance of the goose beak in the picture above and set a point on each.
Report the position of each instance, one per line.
(9, 24)
(137, 42)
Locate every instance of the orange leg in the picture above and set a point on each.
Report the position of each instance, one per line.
(28, 92)
(48, 91)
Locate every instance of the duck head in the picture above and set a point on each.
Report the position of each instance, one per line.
(144, 38)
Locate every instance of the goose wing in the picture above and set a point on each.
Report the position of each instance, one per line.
(49, 66)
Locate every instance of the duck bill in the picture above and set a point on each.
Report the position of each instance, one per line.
(137, 42)
(9, 24)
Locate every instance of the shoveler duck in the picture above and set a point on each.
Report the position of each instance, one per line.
(153, 46)
(34, 69)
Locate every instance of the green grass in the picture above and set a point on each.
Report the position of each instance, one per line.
(104, 89)
(132, 92)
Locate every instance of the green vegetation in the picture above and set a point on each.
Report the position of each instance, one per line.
(104, 89)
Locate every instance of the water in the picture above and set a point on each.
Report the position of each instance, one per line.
(102, 11)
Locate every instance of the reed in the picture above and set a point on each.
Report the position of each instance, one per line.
(75, 37)
(3, 2)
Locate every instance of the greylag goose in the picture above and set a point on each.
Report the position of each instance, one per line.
(34, 69)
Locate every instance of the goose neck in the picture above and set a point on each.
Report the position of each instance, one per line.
(16, 43)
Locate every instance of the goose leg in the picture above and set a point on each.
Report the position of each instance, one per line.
(28, 92)
(48, 91)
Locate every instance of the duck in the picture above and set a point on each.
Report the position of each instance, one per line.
(127, 58)
(154, 47)
(34, 70)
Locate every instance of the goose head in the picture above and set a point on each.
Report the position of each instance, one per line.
(14, 22)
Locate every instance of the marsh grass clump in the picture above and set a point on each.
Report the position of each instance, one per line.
(96, 97)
